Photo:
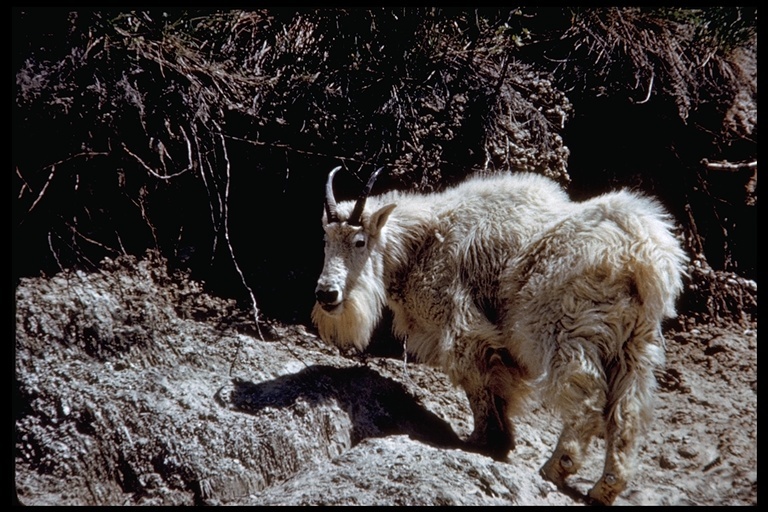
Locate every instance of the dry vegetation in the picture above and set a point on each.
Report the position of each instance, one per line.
(162, 126)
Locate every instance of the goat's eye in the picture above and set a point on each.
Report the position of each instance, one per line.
(360, 243)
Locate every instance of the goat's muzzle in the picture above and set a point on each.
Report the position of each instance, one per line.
(329, 299)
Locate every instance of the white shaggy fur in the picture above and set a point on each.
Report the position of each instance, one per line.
(510, 286)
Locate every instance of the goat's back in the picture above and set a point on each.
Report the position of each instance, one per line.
(468, 232)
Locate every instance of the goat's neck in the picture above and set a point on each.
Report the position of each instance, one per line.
(405, 233)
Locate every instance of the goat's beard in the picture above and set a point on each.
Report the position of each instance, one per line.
(353, 324)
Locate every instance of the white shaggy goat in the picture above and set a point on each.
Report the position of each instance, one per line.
(509, 287)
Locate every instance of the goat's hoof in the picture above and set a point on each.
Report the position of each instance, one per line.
(492, 443)
(557, 469)
(553, 472)
(606, 490)
(500, 454)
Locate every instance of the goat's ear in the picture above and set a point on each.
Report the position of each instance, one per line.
(379, 218)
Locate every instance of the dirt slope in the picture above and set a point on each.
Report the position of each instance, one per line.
(126, 393)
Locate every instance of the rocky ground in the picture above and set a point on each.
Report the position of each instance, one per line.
(133, 387)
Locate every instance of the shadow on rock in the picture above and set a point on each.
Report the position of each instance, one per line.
(377, 406)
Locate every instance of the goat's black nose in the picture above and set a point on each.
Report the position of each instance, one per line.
(326, 296)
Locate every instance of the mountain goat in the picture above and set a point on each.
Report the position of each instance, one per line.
(510, 287)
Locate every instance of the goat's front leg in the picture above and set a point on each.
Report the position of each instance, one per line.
(493, 434)
(495, 397)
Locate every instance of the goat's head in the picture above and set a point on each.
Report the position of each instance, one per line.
(353, 261)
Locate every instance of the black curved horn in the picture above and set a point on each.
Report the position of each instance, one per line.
(330, 201)
(354, 219)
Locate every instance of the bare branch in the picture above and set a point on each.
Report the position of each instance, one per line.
(150, 170)
(211, 195)
(140, 205)
(288, 147)
(650, 88)
(53, 252)
(25, 185)
(189, 147)
(42, 191)
(90, 240)
(728, 166)
(254, 307)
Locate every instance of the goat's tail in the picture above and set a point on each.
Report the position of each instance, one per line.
(658, 261)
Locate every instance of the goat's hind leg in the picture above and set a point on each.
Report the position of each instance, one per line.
(627, 416)
(580, 398)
